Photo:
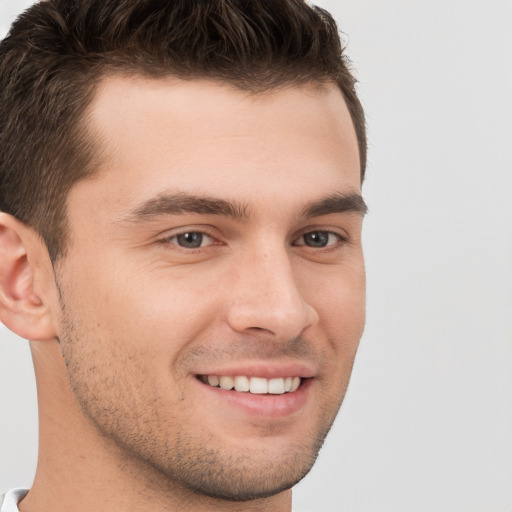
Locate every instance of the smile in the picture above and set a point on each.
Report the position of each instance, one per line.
(254, 385)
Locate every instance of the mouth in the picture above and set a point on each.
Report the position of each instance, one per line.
(253, 385)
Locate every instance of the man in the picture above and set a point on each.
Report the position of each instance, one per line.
(180, 241)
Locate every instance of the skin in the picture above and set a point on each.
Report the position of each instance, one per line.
(127, 320)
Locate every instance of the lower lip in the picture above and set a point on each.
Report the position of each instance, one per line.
(264, 406)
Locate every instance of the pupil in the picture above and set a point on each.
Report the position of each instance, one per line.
(316, 239)
(190, 240)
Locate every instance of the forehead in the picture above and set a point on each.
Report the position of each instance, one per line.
(203, 137)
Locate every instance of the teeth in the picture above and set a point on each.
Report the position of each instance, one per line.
(242, 383)
(213, 380)
(255, 385)
(276, 386)
(226, 383)
(259, 386)
(295, 384)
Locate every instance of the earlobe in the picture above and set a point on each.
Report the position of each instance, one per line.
(22, 310)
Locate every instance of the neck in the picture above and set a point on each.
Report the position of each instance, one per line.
(81, 470)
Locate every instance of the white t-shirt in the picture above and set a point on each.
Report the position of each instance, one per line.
(11, 500)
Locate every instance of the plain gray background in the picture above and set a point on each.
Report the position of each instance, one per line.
(427, 423)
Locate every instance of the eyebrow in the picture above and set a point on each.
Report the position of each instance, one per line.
(336, 203)
(176, 204)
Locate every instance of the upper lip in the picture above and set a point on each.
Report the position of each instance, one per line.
(267, 370)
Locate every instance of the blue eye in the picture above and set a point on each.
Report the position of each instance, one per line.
(191, 240)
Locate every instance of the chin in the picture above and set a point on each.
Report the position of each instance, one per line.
(247, 485)
(244, 475)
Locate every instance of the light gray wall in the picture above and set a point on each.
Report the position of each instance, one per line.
(427, 422)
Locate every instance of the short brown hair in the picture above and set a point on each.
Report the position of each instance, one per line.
(58, 50)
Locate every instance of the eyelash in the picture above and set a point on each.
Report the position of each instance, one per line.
(191, 232)
(341, 239)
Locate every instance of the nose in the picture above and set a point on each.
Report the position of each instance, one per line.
(265, 296)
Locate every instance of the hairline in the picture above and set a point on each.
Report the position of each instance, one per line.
(89, 141)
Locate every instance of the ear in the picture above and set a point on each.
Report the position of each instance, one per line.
(26, 281)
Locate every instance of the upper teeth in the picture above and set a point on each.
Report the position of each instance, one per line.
(256, 385)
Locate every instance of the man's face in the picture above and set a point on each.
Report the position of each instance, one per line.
(220, 241)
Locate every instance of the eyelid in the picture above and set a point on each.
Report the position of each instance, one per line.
(167, 236)
(204, 241)
(340, 234)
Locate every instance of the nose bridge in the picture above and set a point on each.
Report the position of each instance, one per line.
(267, 295)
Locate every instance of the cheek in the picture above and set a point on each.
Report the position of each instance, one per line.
(340, 304)
(118, 354)
(141, 305)
(339, 297)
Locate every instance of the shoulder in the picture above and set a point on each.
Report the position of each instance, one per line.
(9, 501)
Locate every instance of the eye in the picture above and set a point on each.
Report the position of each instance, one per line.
(319, 239)
(191, 240)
